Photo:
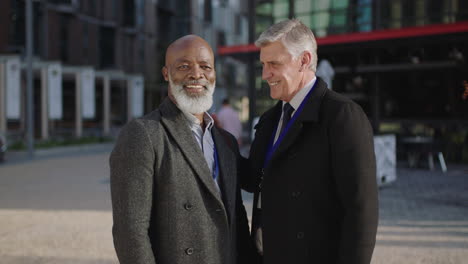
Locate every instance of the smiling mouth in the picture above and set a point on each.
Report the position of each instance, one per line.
(194, 88)
(273, 83)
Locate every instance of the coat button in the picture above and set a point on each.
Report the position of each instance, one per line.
(300, 235)
(260, 178)
(296, 194)
(188, 206)
(189, 251)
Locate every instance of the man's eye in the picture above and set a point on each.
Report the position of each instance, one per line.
(183, 67)
(205, 67)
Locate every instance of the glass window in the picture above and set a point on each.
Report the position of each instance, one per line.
(338, 17)
(338, 21)
(450, 7)
(395, 14)
(281, 8)
(364, 15)
(321, 23)
(129, 14)
(207, 10)
(140, 9)
(434, 11)
(302, 7)
(17, 29)
(340, 4)
(306, 20)
(263, 18)
(107, 47)
(462, 10)
(64, 38)
(419, 12)
(264, 9)
(321, 5)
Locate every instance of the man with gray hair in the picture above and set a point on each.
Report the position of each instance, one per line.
(313, 164)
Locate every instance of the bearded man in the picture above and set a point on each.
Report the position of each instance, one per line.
(175, 194)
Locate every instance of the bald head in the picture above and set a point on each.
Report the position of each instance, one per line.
(191, 44)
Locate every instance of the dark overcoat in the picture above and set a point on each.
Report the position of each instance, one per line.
(166, 206)
(319, 192)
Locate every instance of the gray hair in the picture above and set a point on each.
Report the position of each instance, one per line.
(294, 35)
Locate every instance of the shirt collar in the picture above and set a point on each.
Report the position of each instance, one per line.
(193, 121)
(299, 97)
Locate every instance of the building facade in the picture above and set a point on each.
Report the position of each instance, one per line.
(403, 61)
(116, 44)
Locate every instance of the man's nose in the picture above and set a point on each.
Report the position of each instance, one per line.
(266, 73)
(196, 73)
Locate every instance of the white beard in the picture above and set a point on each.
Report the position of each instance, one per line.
(193, 104)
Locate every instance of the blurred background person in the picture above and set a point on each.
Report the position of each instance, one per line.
(228, 119)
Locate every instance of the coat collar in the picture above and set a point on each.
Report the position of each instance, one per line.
(310, 114)
(177, 126)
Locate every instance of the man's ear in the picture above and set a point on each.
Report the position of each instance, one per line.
(165, 73)
(306, 60)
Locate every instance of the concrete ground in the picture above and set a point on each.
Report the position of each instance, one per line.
(57, 209)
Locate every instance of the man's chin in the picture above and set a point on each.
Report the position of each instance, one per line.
(194, 104)
(195, 94)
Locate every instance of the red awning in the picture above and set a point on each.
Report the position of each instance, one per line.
(407, 32)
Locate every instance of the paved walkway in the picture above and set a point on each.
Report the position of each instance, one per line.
(424, 218)
(57, 210)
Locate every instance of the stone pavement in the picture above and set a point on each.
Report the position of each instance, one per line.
(424, 218)
(57, 210)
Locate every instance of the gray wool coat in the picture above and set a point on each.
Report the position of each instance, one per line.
(166, 206)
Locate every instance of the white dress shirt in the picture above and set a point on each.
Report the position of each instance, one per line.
(295, 103)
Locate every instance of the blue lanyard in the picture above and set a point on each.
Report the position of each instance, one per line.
(216, 165)
(272, 147)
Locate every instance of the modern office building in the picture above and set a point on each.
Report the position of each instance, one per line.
(403, 61)
(87, 57)
(97, 64)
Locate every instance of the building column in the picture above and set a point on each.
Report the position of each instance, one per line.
(251, 69)
(107, 109)
(3, 119)
(24, 106)
(375, 98)
(44, 105)
(375, 104)
(129, 99)
(78, 115)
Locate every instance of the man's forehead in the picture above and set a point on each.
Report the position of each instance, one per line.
(190, 54)
(193, 54)
(192, 60)
(273, 53)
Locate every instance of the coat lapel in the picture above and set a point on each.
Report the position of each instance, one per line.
(228, 171)
(310, 113)
(264, 131)
(176, 124)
